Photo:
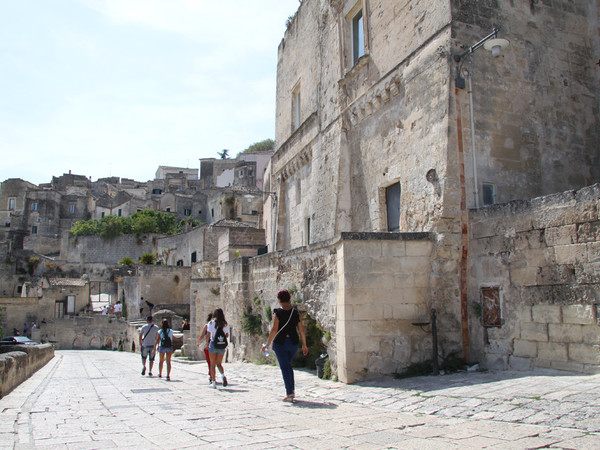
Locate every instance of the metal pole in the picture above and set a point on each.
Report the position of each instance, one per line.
(436, 369)
(475, 182)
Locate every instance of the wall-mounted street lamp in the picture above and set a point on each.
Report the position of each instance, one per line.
(495, 45)
(491, 42)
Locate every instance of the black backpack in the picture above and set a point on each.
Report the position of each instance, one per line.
(220, 340)
(165, 340)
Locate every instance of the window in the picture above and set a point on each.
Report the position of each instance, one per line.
(156, 191)
(187, 212)
(119, 212)
(101, 215)
(34, 206)
(168, 210)
(70, 304)
(212, 212)
(11, 203)
(180, 263)
(307, 230)
(298, 191)
(358, 37)
(392, 200)
(59, 309)
(489, 194)
(7, 224)
(194, 256)
(72, 208)
(296, 108)
(34, 229)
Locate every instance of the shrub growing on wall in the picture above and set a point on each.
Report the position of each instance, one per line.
(148, 258)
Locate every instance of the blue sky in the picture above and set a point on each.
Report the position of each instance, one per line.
(119, 87)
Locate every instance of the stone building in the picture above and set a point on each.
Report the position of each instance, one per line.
(377, 141)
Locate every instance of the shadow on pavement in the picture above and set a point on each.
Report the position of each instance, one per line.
(465, 379)
(313, 405)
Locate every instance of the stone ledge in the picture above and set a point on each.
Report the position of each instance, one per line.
(19, 362)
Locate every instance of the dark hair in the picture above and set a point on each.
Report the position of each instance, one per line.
(219, 317)
(209, 317)
(165, 324)
(149, 318)
(284, 296)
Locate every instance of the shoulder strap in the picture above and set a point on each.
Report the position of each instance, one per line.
(147, 333)
(286, 324)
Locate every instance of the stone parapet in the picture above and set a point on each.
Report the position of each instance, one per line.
(19, 362)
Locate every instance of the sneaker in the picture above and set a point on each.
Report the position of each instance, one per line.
(144, 371)
(213, 385)
(149, 374)
(168, 378)
(209, 380)
(224, 381)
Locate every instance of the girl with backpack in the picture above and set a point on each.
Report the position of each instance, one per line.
(218, 330)
(164, 340)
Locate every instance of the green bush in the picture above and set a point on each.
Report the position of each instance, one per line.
(314, 342)
(251, 323)
(148, 258)
(127, 261)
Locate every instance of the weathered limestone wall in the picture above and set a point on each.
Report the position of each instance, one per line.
(87, 333)
(527, 145)
(366, 289)
(543, 255)
(19, 362)
(384, 289)
(94, 249)
(204, 299)
(158, 284)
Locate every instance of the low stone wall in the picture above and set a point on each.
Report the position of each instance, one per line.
(365, 290)
(534, 282)
(87, 333)
(19, 362)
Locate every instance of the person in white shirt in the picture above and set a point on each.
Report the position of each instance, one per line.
(218, 330)
(148, 335)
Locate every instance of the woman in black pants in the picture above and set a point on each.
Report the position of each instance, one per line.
(285, 334)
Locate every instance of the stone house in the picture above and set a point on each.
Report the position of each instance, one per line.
(382, 159)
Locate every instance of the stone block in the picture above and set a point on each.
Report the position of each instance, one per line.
(591, 334)
(588, 232)
(563, 235)
(524, 277)
(565, 333)
(592, 369)
(524, 313)
(546, 313)
(364, 344)
(579, 314)
(367, 312)
(585, 353)
(410, 311)
(570, 254)
(570, 366)
(593, 251)
(542, 363)
(524, 349)
(534, 332)
(552, 351)
(517, 363)
(419, 248)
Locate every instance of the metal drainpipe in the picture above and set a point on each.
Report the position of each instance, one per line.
(475, 183)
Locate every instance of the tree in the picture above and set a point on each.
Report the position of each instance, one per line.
(148, 258)
(262, 146)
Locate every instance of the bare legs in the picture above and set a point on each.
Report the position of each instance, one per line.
(160, 364)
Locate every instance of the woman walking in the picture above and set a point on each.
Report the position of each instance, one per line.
(218, 330)
(286, 333)
(164, 340)
(204, 337)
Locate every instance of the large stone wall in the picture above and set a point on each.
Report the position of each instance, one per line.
(94, 249)
(543, 256)
(365, 289)
(87, 333)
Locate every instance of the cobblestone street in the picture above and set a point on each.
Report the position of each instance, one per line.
(98, 399)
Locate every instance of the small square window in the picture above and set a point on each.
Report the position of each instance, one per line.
(187, 212)
(489, 193)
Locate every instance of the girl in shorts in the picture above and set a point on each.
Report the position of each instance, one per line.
(216, 329)
(164, 340)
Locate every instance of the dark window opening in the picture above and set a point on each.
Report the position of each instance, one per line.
(194, 257)
(180, 263)
(392, 200)
(489, 194)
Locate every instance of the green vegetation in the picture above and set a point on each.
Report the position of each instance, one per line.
(142, 222)
(314, 342)
(251, 323)
(127, 261)
(32, 264)
(262, 146)
(148, 258)
(327, 370)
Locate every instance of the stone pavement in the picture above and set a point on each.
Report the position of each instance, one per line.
(98, 399)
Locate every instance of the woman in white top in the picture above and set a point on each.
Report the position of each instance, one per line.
(218, 330)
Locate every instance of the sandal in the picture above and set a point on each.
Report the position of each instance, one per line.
(289, 398)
